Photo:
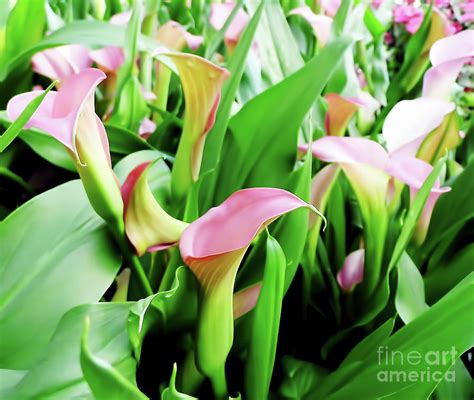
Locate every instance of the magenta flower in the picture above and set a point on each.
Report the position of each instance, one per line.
(408, 15)
(69, 116)
(61, 62)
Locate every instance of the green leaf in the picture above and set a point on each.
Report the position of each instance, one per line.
(168, 311)
(15, 128)
(433, 335)
(58, 374)
(170, 393)
(125, 141)
(301, 378)
(104, 380)
(451, 212)
(236, 68)
(266, 324)
(449, 273)
(56, 254)
(26, 13)
(253, 156)
(88, 33)
(410, 296)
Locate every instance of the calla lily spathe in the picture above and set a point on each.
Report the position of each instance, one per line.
(447, 57)
(69, 116)
(219, 14)
(321, 24)
(202, 82)
(352, 272)
(61, 62)
(339, 113)
(213, 247)
(147, 225)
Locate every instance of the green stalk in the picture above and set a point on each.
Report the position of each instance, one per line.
(362, 59)
(133, 261)
(219, 384)
(162, 84)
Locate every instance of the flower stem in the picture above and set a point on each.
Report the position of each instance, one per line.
(219, 384)
(131, 258)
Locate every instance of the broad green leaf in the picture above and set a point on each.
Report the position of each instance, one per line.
(171, 393)
(15, 128)
(461, 388)
(292, 229)
(125, 141)
(44, 145)
(449, 273)
(56, 254)
(89, 33)
(26, 13)
(261, 147)
(167, 311)
(58, 375)
(301, 378)
(236, 66)
(410, 296)
(266, 324)
(367, 346)
(438, 336)
(104, 380)
(451, 212)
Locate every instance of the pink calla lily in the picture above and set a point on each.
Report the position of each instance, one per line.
(330, 7)
(352, 272)
(321, 24)
(69, 116)
(447, 57)
(218, 17)
(61, 62)
(246, 299)
(173, 36)
(340, 111)
(213, 247)
(410, 121)
(147, 225)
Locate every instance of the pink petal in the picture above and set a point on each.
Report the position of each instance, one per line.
(109, 59)
(438, 81)
(351, 150)
(222, 229)
(352, 272)
(219, 15)
(413, 172)
(321, 24)
(340, 111)
(410, 120)
(246, 299)
(453, 47)
(147, 127)
(61, 62)
(121, 18)
(59, 112)
(330, 6)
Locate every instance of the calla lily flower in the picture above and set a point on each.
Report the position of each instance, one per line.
(447, 57)
(218, 17)
(147, 225)
(340, 111)
(110, 58)
(330, 7)
(321, 24)
(69, 116)
(213, 247)
(246, 299)
(352, 272)
(369, 169)
(173, 36)
(410, 121)
(61, 62)
(202, 82)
